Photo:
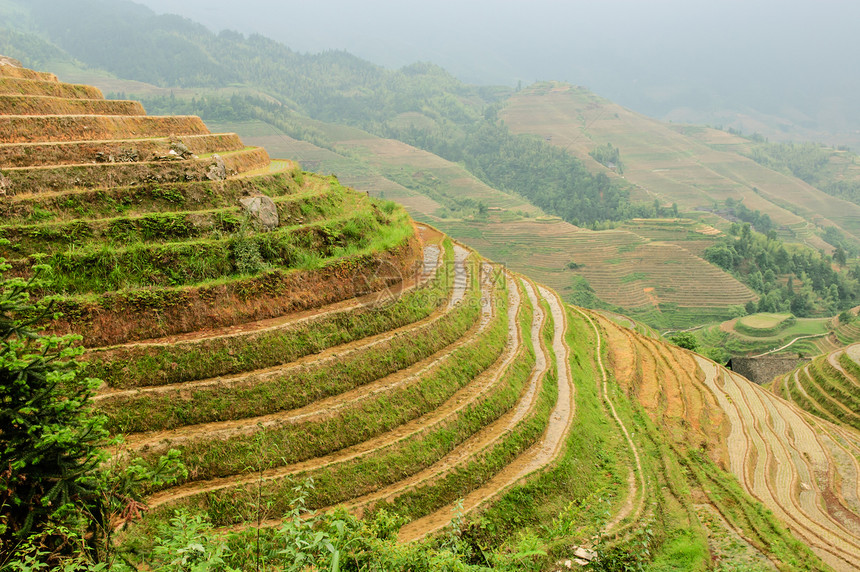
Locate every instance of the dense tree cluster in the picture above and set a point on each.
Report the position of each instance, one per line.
(49, 441)
(788, 278)
(609, 156)
(547, 176)
(759, 221)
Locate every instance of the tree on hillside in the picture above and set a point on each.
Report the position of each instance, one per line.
(839, 256)
(49, 436)
(685, 340)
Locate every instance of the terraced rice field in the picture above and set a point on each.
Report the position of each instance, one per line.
(801, 467)
(828, 386)
(392, 366)
(623, 268)
(340, 342)
(417, 412)
(642, 266)
(806, 336)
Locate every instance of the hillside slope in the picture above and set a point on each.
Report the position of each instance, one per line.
(633, 267)
(665, 164)
(272, 327)
(801, 467)
(314, 98)
(827, 386)
(322, 335)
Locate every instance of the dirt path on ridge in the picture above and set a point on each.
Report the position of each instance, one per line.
(461, 277)
(833, 359)
(486, 437)
(538, 456)
(853, 352)
(461, 399)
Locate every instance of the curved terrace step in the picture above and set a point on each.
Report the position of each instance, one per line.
(491, 434)
(115, 151)
(104, 319)
(780, 458)
(67, 204)
(160, 228)
(22, 86)
(433, 261)
(50, 105)
(24, 73)
(461, 400)
(543, 453)
(58, 128)
(408, 375)
(28, 180)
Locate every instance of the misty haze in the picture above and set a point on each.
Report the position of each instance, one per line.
(429, 286)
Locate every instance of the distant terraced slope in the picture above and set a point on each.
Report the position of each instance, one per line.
(663, 163)
(738, 442)
(341, 342)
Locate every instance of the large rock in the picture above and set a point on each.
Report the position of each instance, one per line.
(5, 185)
(218, 169)
(262, 210)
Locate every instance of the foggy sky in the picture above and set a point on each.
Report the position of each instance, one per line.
(776, 56)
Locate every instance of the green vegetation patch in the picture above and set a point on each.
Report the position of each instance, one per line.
(174, 227)
(633, 277)
(162, 364)
(267, 392)
(184, 263)
(351, 425)
(147, 197)
(104, 319)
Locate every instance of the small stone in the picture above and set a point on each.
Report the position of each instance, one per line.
(263, 210)
(585, 554)
(581, 562)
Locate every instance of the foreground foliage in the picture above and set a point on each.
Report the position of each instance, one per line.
(49, 443)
